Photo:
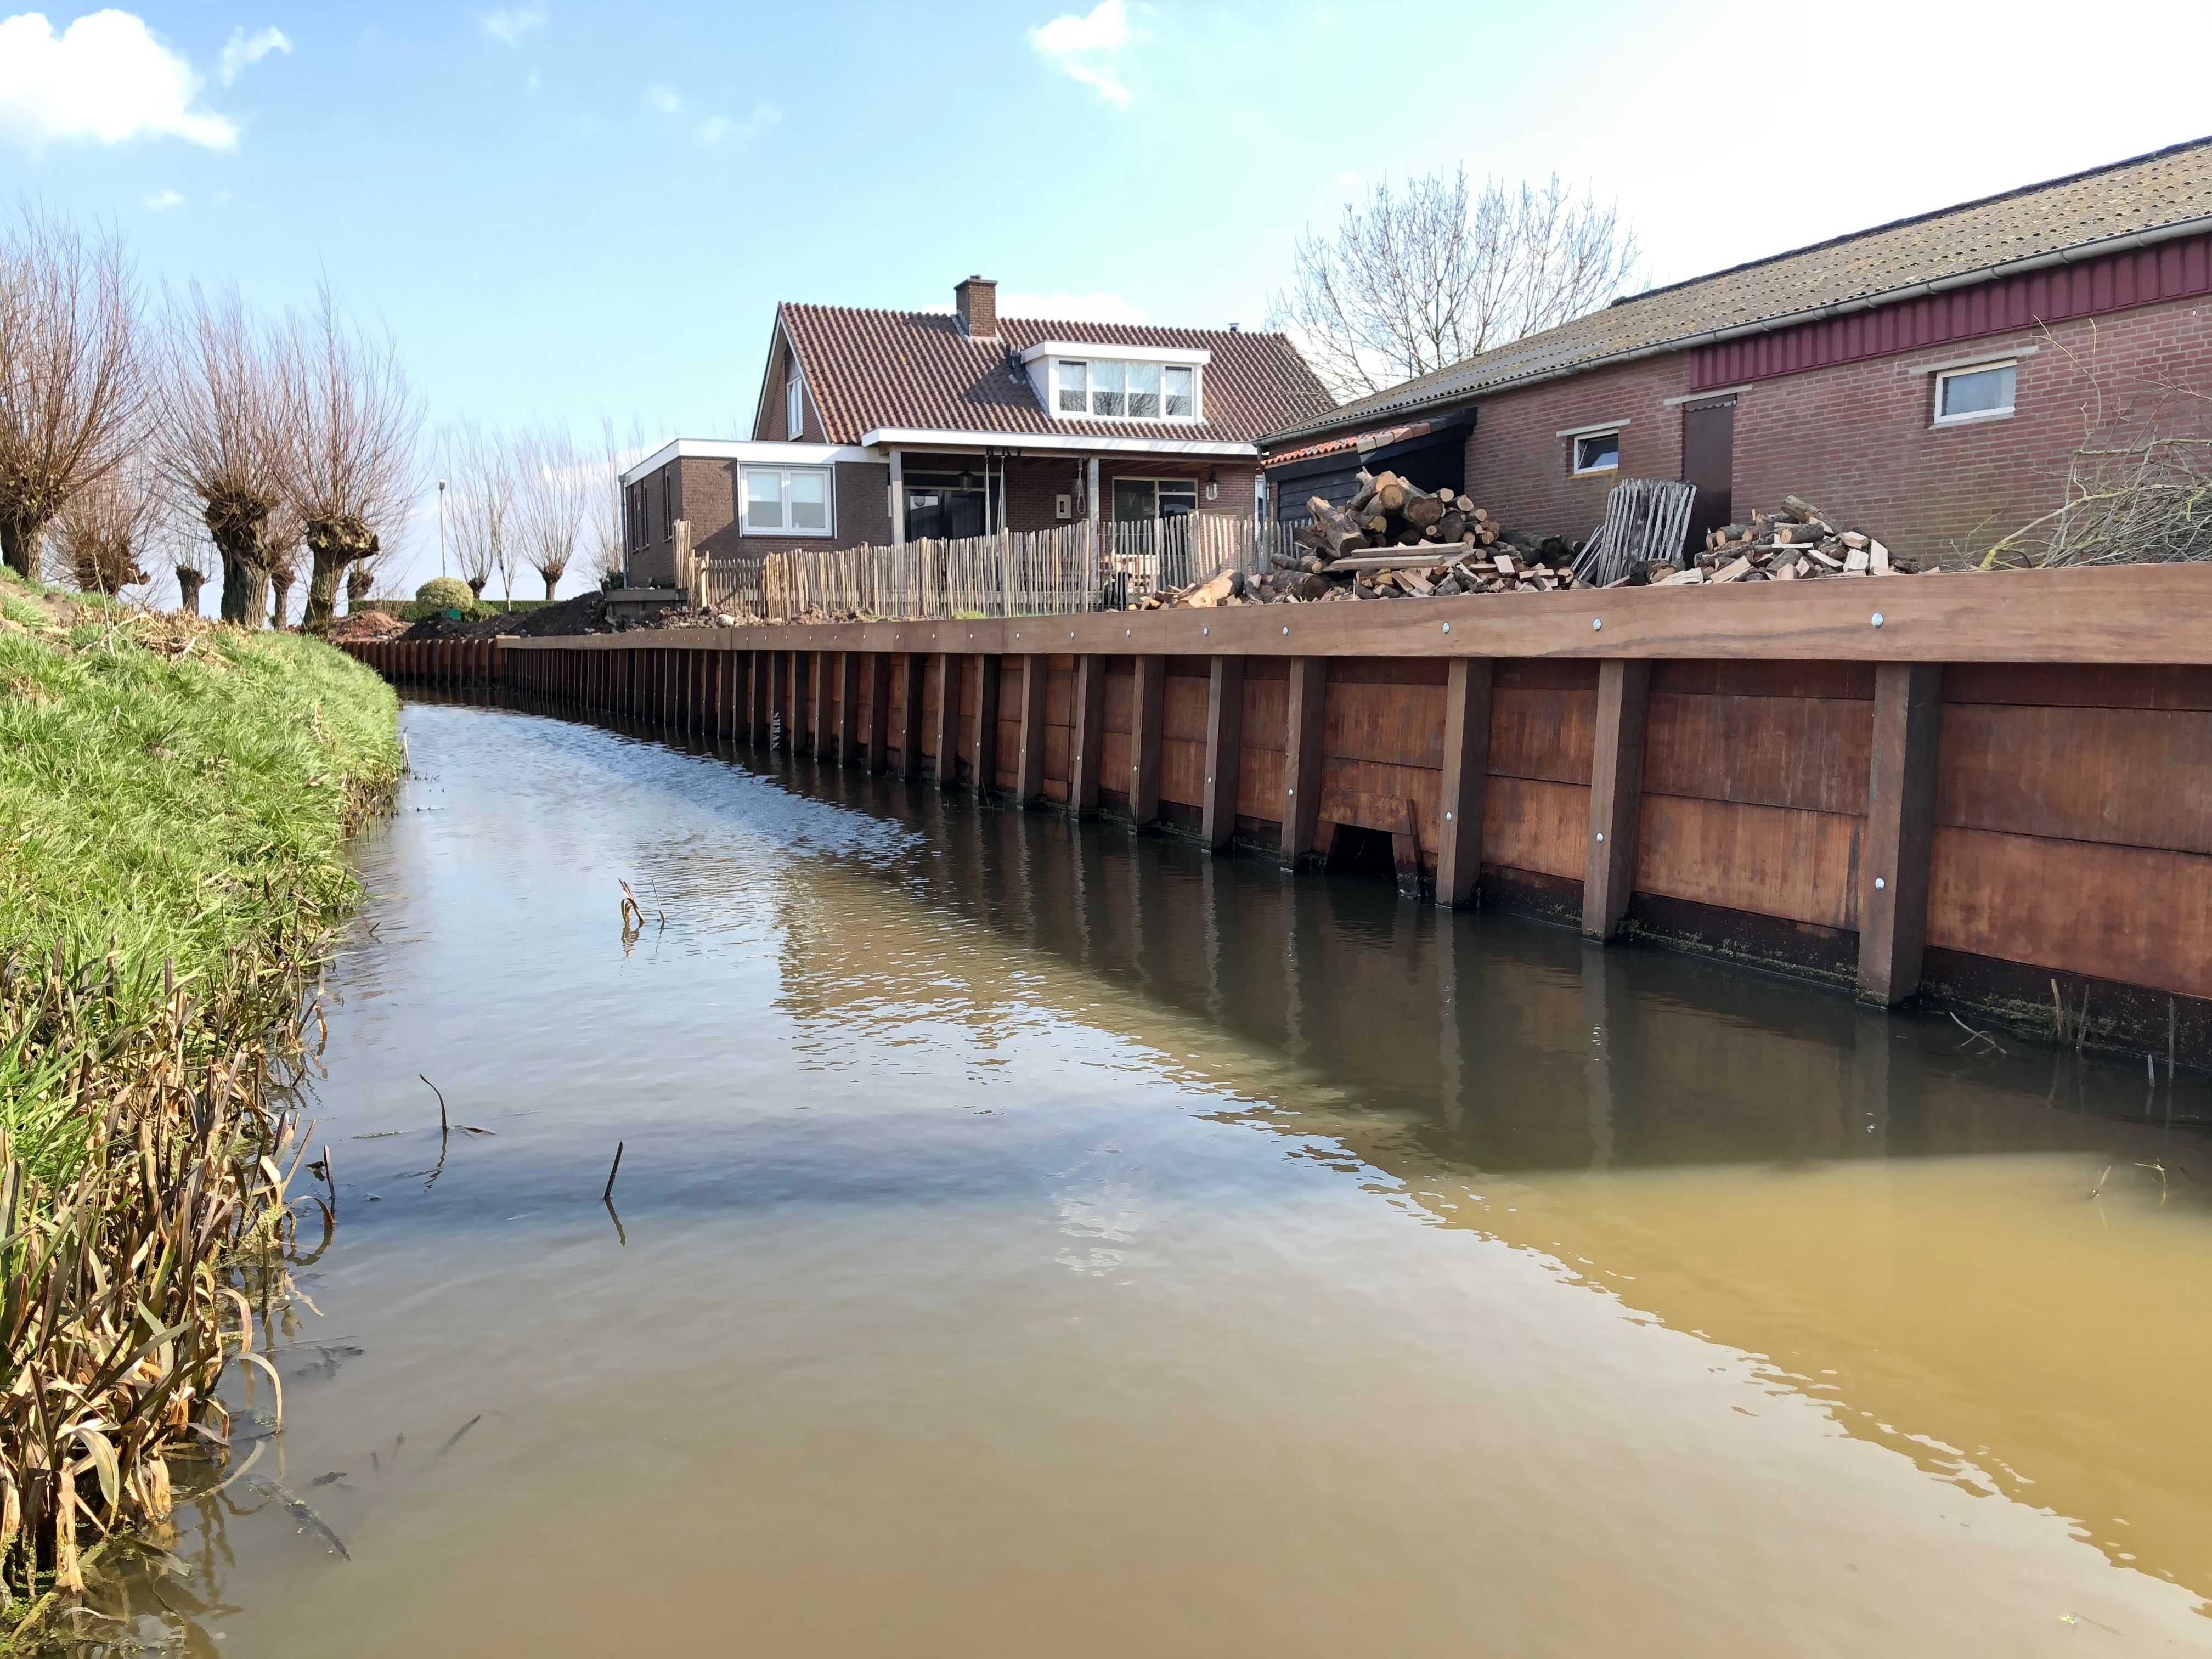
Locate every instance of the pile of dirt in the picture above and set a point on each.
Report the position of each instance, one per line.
(359, 625)
(585, 614)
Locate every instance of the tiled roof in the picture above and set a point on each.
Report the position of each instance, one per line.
(1379, 438)
(2169, 187)
(866, 369)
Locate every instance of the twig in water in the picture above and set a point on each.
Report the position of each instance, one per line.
(456, 1440)
(2099, 1187)
(633, 917)
(1984, 1036)
(440, 1093)
(621, 1237)
(607, 1196)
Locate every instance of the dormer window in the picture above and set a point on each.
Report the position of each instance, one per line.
(1135, 383)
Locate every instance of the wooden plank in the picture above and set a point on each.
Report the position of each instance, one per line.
(948, 719)
(2147, 614)
(2137, 916)
(1529, 824)
(1467, 771)
(1028, 769)
(1798, 865)
(1541, 732)
(910, 717)
(1225, 750)
(2139, 777)
(1900, 815)
(1089, 733)
(878, 671)
(845, 743)
(1303, 728)
(1623, 689)
(1147, 709)
(983, 735)
(1809, 753)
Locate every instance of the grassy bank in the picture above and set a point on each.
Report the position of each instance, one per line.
(174, 801)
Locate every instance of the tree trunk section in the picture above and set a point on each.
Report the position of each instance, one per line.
(19, 544)
(244, 593)
(323, 589)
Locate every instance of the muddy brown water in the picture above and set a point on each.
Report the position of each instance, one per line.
(1037, 1238)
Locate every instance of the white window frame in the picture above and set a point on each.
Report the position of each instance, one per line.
(784, 474)
(1577, 440)
(1942, 377)
(1054, 352)
(794, 408)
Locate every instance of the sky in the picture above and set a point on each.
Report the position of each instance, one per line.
(570, 212)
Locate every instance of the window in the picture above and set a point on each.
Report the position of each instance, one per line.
(1106, 381)
(1074, 387)
(1181, 405)
(1148, 498)
(794, 500)
(1144, 391)
(667, 503)
(1984, 393)
(1597, 451)
(794, 407)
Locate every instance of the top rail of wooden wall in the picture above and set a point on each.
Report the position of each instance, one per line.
(2111, 614)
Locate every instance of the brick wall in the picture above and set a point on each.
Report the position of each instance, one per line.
(1857, 438)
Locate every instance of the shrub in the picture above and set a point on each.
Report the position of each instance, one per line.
(444, 593)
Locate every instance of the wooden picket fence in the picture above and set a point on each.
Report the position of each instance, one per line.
(1037, 573)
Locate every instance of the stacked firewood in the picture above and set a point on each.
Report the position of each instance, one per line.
(1796, 542)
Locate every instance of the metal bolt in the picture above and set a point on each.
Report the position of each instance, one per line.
(1601, 835)
(1879, 884)
(1597, 622)
(1446, 818)
(1286, 627)
(1877, 619)
(1205, 630)
(1447, 628)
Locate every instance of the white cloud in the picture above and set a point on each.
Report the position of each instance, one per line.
(164, 200)
(660, 98)
(530, 81)
(242, 51)
(1071, 308)
(104, 77)
(716, 128)
(511, 23)
(1089, 47)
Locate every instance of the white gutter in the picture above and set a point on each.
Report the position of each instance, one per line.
(2020, 267)
(759, 451)
(1016, 443)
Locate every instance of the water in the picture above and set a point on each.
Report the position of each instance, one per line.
(1034, 1238)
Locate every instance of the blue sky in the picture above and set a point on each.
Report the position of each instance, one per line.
(566, 211)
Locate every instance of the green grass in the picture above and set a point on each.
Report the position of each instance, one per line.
(168, 803)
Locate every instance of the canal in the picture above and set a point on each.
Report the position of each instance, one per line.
(1030, 1238)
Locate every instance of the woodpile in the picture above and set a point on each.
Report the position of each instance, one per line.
(1392, 540)
(1796, 542)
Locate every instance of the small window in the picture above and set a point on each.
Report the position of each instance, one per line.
(1597, 451)
(1984, 393)
(794, 408)
(1181, 405)
(1177, 498)
(1144, 391)
(1074, 388)
(794, 500)
(1107, 380)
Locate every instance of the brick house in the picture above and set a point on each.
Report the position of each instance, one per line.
(1930, 379)
(883, 426)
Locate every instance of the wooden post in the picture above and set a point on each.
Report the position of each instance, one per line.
(1302, 757)
(847, 742)
(1146, 712)
(1089, 733)
(1624, 694)
(1908, 709)
(987, 725)
(1224, 749)
(817, 724)
(948, 719)
(1029, 780)
(1467, 771)
(756, 710)
(879, 697)
(910, 733)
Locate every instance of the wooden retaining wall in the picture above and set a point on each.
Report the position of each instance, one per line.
(1968, 786)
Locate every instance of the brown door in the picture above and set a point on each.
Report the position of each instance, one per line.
(1709, 462)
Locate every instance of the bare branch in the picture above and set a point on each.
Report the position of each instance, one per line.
(73, 377)
(558, 488)
(1419, 278)
(480, 503)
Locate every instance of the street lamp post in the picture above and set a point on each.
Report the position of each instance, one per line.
(441, 527)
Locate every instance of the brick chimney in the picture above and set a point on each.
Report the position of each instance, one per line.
(977, 300)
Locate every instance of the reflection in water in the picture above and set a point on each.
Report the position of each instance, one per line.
(1035, 1236)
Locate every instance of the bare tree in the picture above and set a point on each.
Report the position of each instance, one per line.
(481, 504)
(556, 488)
(1418, 278)
(282, 540)
(604, 530)
(107, 530)
(353, 452)
(73, 380)
(226, 438)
